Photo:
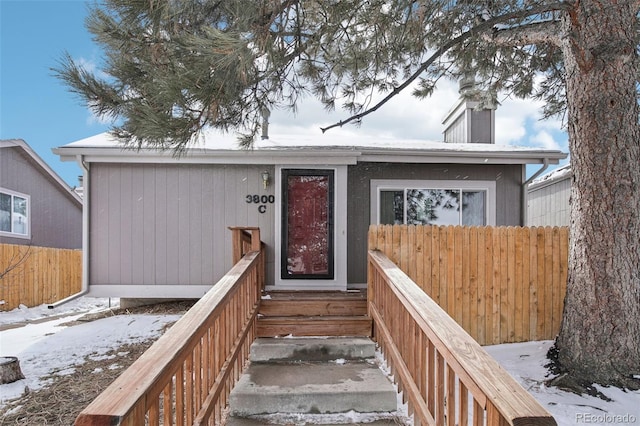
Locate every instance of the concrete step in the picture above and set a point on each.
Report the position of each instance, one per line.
(289, 421)
(285, 378)
(312, 388)
(312, 349)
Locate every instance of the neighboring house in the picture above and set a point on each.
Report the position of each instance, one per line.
(157, 224)
(548, 198)
(36, 206)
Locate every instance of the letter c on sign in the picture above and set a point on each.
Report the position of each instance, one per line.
(262, 208)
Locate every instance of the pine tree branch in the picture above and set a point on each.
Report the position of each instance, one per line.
(484, 27)
(533, 33)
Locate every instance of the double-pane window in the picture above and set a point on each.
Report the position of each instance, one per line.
(14, 213)
(432, 206)
(433, 203)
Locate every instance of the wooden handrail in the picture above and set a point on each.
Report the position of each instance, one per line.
(446, 376)
(193, 366)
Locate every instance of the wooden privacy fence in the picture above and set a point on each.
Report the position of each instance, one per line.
(446, 377)
(33, 276)
(501, 284)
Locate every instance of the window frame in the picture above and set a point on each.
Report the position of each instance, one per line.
(12, 233)
(489, 187)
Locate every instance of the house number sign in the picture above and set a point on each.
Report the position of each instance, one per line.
(261, 200)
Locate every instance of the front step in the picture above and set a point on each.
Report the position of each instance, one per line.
(312, 388)
(314, 304)
(242, 421)
(286, 379)
(314, 326)
(312, 349)
(314, 313)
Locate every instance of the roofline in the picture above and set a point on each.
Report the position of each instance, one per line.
(20, 143)
(308, 155)
(543, 182)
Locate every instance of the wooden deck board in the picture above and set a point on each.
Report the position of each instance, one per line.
(314, 326)
(317, 307)
(314, 313)
(311, 295)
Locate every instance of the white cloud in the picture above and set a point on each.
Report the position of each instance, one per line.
(403, 116)
(517, 120)
(545, 140)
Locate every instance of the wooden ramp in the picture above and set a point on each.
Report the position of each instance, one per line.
(314, 313)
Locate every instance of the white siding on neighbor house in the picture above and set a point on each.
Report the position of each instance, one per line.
(548, 204)
(165, 224)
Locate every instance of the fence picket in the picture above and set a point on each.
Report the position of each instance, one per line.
(469, 274)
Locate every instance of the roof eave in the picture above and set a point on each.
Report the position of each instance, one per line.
(44, 167)
(467, 157)
(309, 156)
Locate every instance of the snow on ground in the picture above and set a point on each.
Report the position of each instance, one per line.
(46, 346)
(526, 361)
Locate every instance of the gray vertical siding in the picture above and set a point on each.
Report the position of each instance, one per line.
(481, 126)
(508, 198)
(166, 224)
(56, 217)
(471, 127)
(548, 205)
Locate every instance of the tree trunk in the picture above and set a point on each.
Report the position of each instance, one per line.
(10, 370)
(599, 340)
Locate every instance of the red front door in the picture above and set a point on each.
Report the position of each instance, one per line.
(307, 224)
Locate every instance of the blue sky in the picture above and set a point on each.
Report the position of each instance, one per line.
(37, 107)
(34, 105)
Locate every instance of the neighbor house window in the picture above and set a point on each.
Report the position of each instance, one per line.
(469, 203)
(14, 213)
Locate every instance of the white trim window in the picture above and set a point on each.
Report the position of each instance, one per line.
(15, 217)
(435, 202)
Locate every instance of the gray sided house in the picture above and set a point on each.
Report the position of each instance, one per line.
(156, 225)
(548, 198)
(36, 206)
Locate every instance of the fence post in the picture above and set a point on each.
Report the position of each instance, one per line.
(245, 239)
(236, 244)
